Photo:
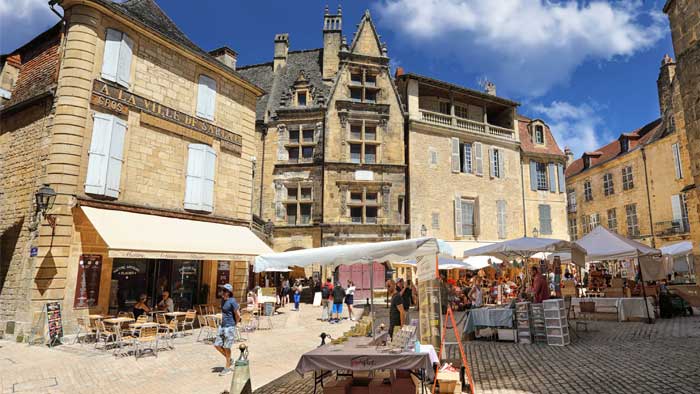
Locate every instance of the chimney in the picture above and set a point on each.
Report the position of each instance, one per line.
(569, 156)
(664, 85)
(281, 49)
(332, 41)
(399, 72)
(490, 88)
(225, 55)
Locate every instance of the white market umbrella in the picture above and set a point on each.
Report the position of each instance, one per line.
(444, 263)
(677, 249)
(479, 262)
(524, 247)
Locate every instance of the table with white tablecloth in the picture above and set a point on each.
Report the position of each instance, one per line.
(624, 307)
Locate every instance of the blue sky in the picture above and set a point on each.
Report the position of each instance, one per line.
(587, 67)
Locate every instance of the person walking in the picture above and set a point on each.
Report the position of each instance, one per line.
(285, 292)
(349, 298)
(226, 334)
(297, 294)
(338, 297)
(326, 299)
(540, 288)
(396, 311)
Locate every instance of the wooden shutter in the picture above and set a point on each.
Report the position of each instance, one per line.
(476, 220)
(116, 157)
(545, 219)
(492, 168)
(124, 66)
(501, 164)
(552, 178)
(208, 176)
(458, 216)
(206, 96)
(677, 161)
(98, 159)
(194, 182)
(501, 212)
(562, 179)
(455, 154)
(478, 158)
(110, 59)
(533, 175)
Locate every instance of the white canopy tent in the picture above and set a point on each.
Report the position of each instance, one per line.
(677, 249)
(479, 262)
(527, 247)
(444, 263)
(678, 256)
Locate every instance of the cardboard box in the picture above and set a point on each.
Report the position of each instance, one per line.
(377, 386)
(341, 386)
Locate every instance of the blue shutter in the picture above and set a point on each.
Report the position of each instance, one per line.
(533, 175)
(562, 179)
(194, 181)
(552, 178)
(116, 158)
(98, 159)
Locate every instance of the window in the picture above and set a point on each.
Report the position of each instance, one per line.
(445, 107)
(608, 187)
(466, 162)
(301, 144)
(298, 204)
(496, 163)
(612, 219)
(585, 224)
(433, 156)
(587, 192)
(632, 222)
(364, 206)
(501, 218)
(435, 221)
(586, 161)
(677, 161)
(116, 62)
(467, 157)
(106, 155)
(541, 172)
(363, 87)
(627, 178)
(571, 200)
(684, 212)
(461, 112)
(301, 99)
(573, 229)
(594, 221)
(624, 144)
(363, 145)
(467, 217)
(199, 187)
(539, 135)
(545, 219)
(206, 97)
(679, 207)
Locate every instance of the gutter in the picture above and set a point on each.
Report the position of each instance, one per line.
(646, 182)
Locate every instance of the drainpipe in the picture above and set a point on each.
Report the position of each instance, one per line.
(262, 172)
(646, 182)
(522, 190)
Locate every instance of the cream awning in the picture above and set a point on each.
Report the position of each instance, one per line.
(136, 235)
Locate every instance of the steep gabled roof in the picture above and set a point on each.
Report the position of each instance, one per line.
(361, 34)
(612, 150)
(550, 146)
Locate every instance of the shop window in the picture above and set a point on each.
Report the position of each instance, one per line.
(106, 155)
(201, 168)
(116, 61)
(206, 97)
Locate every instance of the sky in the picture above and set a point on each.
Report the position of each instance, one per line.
(586, 67)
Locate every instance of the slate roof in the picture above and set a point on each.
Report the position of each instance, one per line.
(646, 134)
(278, 85)
(148, 14)
(550, 146)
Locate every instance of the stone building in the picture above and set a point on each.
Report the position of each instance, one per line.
(330, 167)
(684, 16)
(637, 185)
(467, 152)
(147, 141)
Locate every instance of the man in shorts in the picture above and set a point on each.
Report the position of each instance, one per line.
(226, 335)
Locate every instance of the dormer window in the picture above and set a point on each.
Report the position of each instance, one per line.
(301, 98)
(586, 161)
(624, 144)
(302, 91)
(539, 135)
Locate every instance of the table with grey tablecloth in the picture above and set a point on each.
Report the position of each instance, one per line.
(488, 317)
(356, 355)
(623, 307)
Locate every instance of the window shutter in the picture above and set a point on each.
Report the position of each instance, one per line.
(194, 182)
(455, 154)
(501, 164)
(545, 219)
(562, 179)
(677, 161)
(208, 179)
(110, 60)
(116, 157)
(492, 168)
(676, 207)
(475, 218)
(206, 96)
(124, 66)
(501, 212)
(533, 175)
(552, 178)
(458, 216)
(96, 179)
(478, 159)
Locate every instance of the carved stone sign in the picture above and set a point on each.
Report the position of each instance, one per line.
(121, 101)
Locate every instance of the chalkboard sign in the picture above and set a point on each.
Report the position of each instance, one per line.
(55, 322)
(87, 289)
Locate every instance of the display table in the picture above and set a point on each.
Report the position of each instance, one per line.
(623, 307)
(488, 317)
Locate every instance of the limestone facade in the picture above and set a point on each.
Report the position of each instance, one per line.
(157, 100)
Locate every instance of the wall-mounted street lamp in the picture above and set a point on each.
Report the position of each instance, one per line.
(267, 227)
(535, 232)
(423, 230)
(45, 198)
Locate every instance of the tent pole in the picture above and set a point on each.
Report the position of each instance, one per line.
(371, 298)
(644, 291)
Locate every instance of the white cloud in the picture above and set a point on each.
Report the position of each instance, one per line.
(580, 127)
(21, 20)
(528, 45)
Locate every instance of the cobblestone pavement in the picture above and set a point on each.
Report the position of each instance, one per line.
(613, 357)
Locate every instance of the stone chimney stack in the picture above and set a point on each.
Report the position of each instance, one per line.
(225, 55)
(664, 84)
(569, 156)
(332, 41)
(490, 88)
(281, 49)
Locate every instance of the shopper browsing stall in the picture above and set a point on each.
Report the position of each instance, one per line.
(396, 311)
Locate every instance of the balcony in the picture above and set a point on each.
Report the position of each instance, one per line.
(466, 124)
(672, 228)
